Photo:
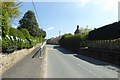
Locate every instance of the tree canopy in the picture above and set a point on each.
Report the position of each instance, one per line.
(30, 23)
(8, 11)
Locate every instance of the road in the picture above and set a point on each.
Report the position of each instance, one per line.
(62, 63)
(27, 67)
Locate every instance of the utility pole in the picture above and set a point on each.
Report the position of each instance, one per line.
(59, 33)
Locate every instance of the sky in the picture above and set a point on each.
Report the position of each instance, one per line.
(63, 17)
(119, 10)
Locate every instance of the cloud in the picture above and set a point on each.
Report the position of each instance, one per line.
(50, 28)
(105, 4)
(109, 4)
(83, 2)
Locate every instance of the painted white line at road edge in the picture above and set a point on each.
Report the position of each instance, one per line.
(90, 71)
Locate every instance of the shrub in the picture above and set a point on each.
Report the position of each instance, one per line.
(18, 39)
(25, 33)
(19, 43)
(27, 36)
(22, 41)
(72, 40)
(13, 32)
(7, 45)
(31, 41)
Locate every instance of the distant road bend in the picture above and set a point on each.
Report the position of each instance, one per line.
(62, 63)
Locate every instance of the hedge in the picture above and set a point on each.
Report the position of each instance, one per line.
(25, 33)
(72, 40)
(7, 45)
(18, 39)
(107, 32)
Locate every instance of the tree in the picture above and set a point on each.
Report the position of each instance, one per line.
(8, 11)
(43, 33)
(30, 23)
(5, 23)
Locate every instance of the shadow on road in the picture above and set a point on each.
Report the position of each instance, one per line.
(82, 57)
(90, 60)
(98, 62)
(64, 51)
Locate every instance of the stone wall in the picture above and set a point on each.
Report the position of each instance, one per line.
(106, 50)
(113, 45)
(8, 60)
(104, 55)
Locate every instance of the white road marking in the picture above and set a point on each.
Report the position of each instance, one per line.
(90, 72)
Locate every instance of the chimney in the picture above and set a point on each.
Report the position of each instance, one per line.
(77, 30)
(77, 27)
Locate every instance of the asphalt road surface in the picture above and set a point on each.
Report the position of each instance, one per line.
(62, 63)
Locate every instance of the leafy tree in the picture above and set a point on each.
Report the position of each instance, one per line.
(30, 23)
(43, 33)
(8, 11)
(12, 8)
(5, 24)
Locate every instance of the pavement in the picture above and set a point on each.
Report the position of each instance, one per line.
(62, 63)
(27, 67)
